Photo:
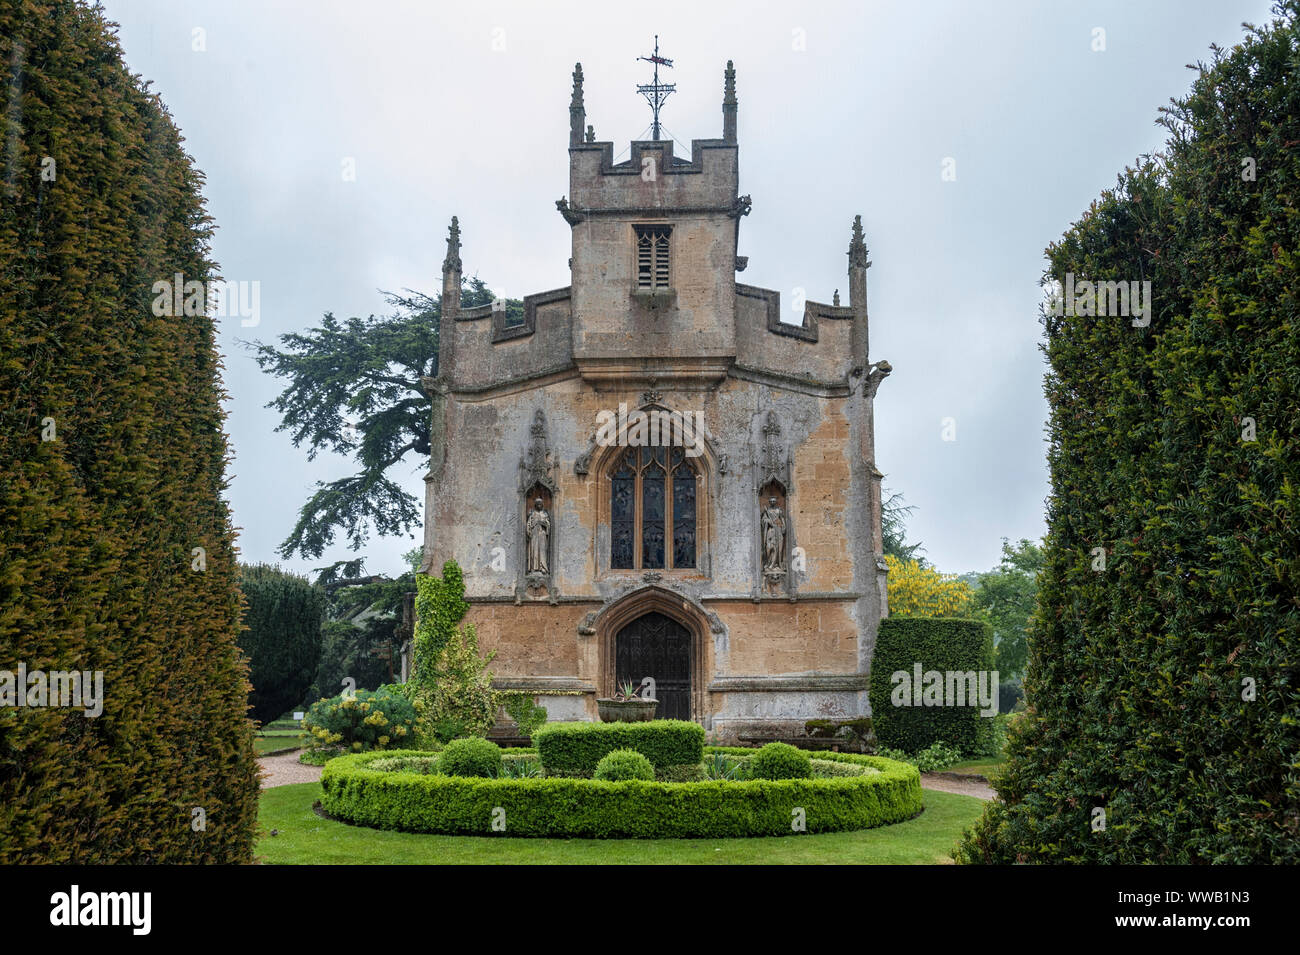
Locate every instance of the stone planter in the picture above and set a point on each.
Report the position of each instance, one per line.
(626, 711)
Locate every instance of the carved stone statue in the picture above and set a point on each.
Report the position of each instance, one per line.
(773, 539)
(539, 539)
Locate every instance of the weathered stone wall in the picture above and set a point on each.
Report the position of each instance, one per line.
(828, 506)
(819, 352)
(696, 321)
(489, 352)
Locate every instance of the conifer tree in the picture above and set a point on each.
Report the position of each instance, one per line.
(117, 552)
(1161, 690)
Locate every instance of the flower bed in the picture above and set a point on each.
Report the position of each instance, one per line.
(402, 789)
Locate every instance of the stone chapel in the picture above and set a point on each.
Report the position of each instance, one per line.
(652, 475)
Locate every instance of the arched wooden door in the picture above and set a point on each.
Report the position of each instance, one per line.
(657, 646)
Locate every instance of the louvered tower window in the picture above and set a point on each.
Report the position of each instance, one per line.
(652, 256)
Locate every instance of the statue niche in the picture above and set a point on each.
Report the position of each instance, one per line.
(537, 487)
(773, 533)
(537, 538)
(772, 487)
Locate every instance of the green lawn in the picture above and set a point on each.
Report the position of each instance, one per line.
(987, 767)
(305, 838)
(264, 745)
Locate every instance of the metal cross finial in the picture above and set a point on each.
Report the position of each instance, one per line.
(656, 92)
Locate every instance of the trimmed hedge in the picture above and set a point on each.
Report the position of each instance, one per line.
(589, 808)
(574, 749)
(780, 761)
(281, 637)
(470, 757)
(937, 643)
(624, 764)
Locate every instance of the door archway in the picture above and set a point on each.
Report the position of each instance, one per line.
(657, 646)
(685, 613)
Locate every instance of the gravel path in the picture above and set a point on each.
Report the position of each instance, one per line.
(957, 783)
(284, 769)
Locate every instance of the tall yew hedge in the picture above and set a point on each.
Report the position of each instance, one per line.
(281, 637)
(100, 523)
(1164, 715)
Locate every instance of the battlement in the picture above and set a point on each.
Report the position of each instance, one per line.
(652, 181)
(653, 294)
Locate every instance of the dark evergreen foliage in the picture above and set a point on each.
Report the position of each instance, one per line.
(938, 644)
(282, 637)
(101, 521)
(1162, 688)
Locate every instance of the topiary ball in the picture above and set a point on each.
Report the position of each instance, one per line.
(470, 757)
(620, 764)
(780, 761)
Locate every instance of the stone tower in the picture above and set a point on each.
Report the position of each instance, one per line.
(651, 474)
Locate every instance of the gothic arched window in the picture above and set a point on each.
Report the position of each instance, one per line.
(652, 509)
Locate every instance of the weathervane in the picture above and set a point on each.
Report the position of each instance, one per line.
(656, 92)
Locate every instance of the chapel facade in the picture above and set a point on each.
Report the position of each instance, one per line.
(652, 475)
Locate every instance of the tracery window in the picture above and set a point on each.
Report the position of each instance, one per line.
(652, 509)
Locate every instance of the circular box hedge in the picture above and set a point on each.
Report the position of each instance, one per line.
(415, 801)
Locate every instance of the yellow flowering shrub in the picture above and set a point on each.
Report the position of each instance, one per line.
(362, 720)
(916, 591)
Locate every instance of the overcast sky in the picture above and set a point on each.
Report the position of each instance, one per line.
(844, 109)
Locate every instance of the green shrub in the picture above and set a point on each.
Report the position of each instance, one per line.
(593, 808)
(520, 765)
(780, 761)
(528, 715)
(939, 644)
(318, 755)
(407, 764)
(470, 757)
(1162, 683)
(574, 749)
(282, 639)
(117, 546)
(722, 767)
(623, 764)
(365, 720)
(932, 759)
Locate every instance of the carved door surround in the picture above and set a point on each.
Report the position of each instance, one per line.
(683, 611)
